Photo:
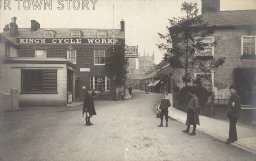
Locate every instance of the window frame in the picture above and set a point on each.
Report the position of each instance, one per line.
(45, 52)
(106, 83)
(197, 54)
(69, 57)
(212, 79)
(43, 85)
(242, 46)
(94, 53)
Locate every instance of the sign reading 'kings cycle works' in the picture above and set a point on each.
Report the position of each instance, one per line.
(66, 41)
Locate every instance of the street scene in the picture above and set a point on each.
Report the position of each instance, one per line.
(110, 80)
(122, 131)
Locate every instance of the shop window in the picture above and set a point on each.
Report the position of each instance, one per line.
(248, 46)
(39, 81)
(99, 57)
(71, 56)
(99, 83)
(40, 53)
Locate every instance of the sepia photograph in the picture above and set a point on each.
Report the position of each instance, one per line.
(127, 80)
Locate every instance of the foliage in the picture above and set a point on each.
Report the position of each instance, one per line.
(116, 64)
(185, 45)
(201, 93)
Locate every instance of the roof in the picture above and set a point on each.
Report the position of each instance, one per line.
(65, 32)
(230, 18)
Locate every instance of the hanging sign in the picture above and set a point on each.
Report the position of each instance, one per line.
(131, 51)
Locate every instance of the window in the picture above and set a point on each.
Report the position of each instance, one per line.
(102, 34)
(40, 53)
(71, 56)
(99, 57)
(209, 49)
(99, 83)
(75, 34)
(39, 81)
(49, 34)
(248, 46)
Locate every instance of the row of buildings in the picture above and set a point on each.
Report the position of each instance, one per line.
(50, 66)
(235, 32)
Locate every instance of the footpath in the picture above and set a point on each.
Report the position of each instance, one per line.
(219, 129)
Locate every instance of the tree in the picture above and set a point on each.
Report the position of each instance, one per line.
(116, 65)
(185, 44)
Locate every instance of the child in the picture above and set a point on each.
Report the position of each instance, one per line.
(163, 108)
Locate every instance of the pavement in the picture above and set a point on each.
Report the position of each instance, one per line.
(219, 129)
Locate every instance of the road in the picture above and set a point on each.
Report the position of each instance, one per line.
(123, 131)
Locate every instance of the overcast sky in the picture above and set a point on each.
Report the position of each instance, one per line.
(143, 18)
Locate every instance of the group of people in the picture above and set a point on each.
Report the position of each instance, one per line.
(193, 110)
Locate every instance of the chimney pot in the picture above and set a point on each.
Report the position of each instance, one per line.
(122, 25)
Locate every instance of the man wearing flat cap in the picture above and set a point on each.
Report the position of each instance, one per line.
(234, 107)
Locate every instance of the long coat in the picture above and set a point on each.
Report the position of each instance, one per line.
(89, 105)
(193, 111)
(234, 106)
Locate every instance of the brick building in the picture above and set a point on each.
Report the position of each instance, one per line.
(235, 34)
(50, 66)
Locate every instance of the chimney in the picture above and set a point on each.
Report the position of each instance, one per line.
(122, 25)
(34, 25)
(13, 27)
(210, 5)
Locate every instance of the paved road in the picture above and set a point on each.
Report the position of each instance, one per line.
(123, 131)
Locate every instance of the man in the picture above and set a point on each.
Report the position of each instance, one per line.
(234, 107)
(88, 108)
(192, 113)
(163, 108)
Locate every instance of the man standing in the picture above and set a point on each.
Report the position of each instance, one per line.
(163, 108)
(88, 108)
(192, 113)
(233, 114)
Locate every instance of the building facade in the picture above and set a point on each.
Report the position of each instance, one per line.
(50, 66)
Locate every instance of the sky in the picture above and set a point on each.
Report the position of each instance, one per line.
(143, 18)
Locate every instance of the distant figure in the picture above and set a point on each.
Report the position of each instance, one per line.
(163, 108)
(234, 107)
(130, 90)
(192, 113)
(88, 108)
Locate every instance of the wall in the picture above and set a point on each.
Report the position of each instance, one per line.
(10, 78)
(229, 46)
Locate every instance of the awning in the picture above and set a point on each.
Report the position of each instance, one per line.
(154, 83)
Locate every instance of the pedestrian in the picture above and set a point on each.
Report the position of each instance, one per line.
(163, 108)
(234, 107)
(88, 108)
(192, 113)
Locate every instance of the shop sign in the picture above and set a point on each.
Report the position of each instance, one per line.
(65, 41)
(131, 51)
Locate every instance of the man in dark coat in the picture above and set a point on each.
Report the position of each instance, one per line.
(88, 108)
(165, 103)
(234, 107)
(192, 113)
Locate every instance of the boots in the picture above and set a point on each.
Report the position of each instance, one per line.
(187, 130)
(161, 124)
(87, 121)
(166, 124)
(194, 131)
